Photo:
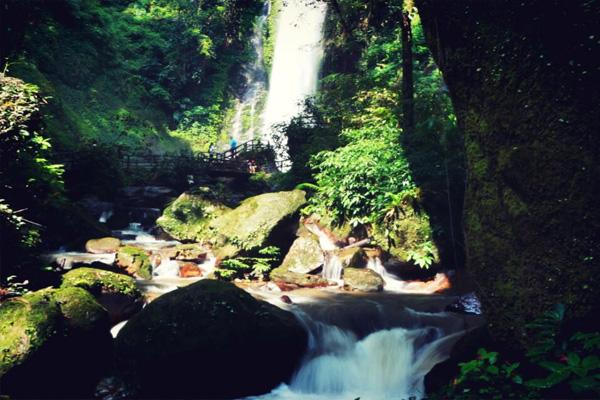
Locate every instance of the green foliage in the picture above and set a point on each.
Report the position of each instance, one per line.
(29, 181)
(424, 256)
(487, 377)
(140, 73)
(257, 267)
(569, 367)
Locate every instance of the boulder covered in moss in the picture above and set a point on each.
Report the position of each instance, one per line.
(117, 293)
(188, 216)
(362, 280)
(238, 345)
(53, 343)
(288, 280)
(135, 261)
(411, 235)
(266, 219)
(102, 245)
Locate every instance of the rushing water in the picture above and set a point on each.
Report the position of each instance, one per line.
(246, 117)
(296, 62)
(373, 347)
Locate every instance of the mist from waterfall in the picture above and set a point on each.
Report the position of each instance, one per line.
(296, 62)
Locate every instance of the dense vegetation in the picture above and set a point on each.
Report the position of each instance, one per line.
(149, 73)
(351, 144)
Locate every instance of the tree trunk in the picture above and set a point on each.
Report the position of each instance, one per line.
(408, 108)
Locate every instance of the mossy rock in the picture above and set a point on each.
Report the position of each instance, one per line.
(135, 261)
(43, 329)
(26, 324)
(117, 293)
(409, 235)
(80, 309)
(188, 216)
(363, 280)
(350, 257)
(102, 245)
(214, 330)
(266, 219)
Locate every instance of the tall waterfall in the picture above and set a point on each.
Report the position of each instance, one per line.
(296, 62)
(246, 120)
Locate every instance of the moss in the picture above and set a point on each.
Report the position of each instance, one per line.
(97, 281)
(249, 226)
(135, 261)
(187, 218)
(80, 309)
(26, 323)
(531, 215)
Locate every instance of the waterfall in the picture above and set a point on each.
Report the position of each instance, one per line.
(243, 125)
(386, 364)
(332, 267)
(296, 63)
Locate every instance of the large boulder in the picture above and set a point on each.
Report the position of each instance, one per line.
(304, 256)
(53, 343)
(116, 292)
(363, 280)
(266, 219)
(188, 216)
(135, 261)
(102, 245)
(209, 340)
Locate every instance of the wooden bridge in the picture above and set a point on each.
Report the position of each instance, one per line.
(247, 158)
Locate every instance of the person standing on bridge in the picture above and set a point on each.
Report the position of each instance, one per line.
(232, 145)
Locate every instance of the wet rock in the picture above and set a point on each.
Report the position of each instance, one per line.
(304, 256)
(115, 292)
(288, 280)
(135, 261)
(214, 330)
(54, 343)
(187, 218)
(189, 270)
(408, 271)
(184, 252)
(363, 280)
(286, 299)
(351, 257)
(102, 245)
(266, 219)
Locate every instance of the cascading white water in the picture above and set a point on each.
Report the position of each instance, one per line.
(243, 126)
(296, 62)
(387, 364)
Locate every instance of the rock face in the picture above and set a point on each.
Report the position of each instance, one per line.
(135, 261)
(53, 343)
(102, 245)
(209, 340)
(526, 99)
(304, 256)
(188, 216)
(363, 280)
(115, 292)
(268, 218)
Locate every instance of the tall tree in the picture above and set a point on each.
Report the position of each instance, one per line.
(408, 108)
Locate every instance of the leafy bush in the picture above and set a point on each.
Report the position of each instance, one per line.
(257, 267)
(566, 367)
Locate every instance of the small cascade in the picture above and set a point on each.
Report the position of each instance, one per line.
(394, 284)
(243, 125)
(105, 216)
(332, 267)
(296, 64)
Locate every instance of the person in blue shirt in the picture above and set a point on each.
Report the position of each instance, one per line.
(232, 145)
